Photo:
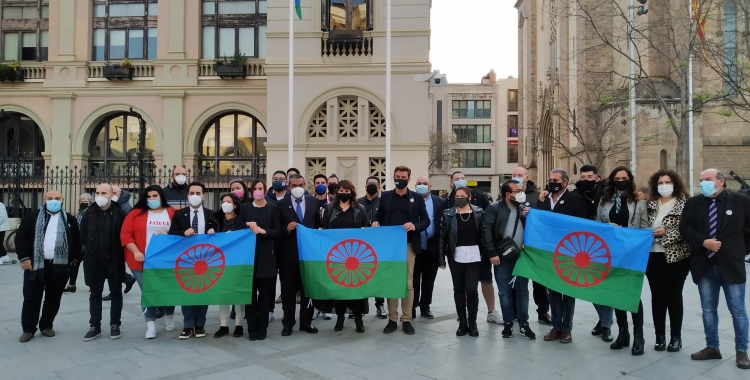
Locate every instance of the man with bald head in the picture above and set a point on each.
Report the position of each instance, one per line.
(104, 260)
(122, 198)
(177, 190)
(714, 224)
(48, 247)
(427, 262)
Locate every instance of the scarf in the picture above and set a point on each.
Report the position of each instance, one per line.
(61, 244)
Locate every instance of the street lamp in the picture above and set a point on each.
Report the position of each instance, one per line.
(642, 10)
(15, 168)
(141, 154)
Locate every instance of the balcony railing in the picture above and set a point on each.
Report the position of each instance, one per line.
(255, 68)
(140, 69)
(34, 72)
(346, 46)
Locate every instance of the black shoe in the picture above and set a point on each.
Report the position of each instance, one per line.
(463, 329)
(70, 289)
(160, 313)
(309, 329)
(623, 340)
(661, 343)
(390, 327)
(114, 332)
(675, 344)
(428, 314)
(252, 336)
(638, 343)
(108, 297)
(261, 335)
(359, 324)
(238, 332)
(526, 332)
(545, 319)
(351, 315)
(286, 331)
(473, 331)
(607, 334)
(200, 332)
(408, 329)
(187, 333)
(129, 285)
(339, 323)
(597, 330)
(508, 331)
(94, 332)
(223, 330)
(381, 313)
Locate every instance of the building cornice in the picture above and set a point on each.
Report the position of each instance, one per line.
(345, 68)
(371, 146)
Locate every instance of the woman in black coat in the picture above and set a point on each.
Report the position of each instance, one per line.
(264, 220)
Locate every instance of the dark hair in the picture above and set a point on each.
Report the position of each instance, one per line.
(347, 185)
(588, 168)
(402, 168)
(454, 173)
(505, 188)
(372, 177)
(609, 187)
(259, 181)
(333, 176)
(679, 190)
(466, 190)
(202, 186)
(245, 197)
(292, 170)
(320, 176)
(279, 172)
(142, 201)
(235, 199)
(295, 176)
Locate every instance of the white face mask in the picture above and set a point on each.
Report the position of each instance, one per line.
(521, 197)
(298, 192)
(227, 207)
(101, 201)
(115, 198)
(665, 190)
(180, 179)
(195, 200)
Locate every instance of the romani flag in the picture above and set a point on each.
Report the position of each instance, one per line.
(585, 259)
(298, 9)
(347, 264)
(199, 270)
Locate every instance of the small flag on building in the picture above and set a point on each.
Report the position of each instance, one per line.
(298, 8)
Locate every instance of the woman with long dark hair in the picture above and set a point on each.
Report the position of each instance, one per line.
(238, 188)
(668, 264)
(150, 216)
(264, 220)
(621, 208)
(345, 212)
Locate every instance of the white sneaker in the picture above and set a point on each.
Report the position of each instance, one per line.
(494, 317)
(327, 316)
(270, 316)
(150, 330)
(170, 322)
(5, 259)
(316, 313)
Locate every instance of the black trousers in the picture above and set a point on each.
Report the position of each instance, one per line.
(325, 306)
(666, 281)
(105, 272)
(2, 244)
(465, 284)
(49, 288)
(622, 318)
(425, 272)
(379, 301)
(540, 298)
(356, 306)
(291, 283)
(257, 312)
(74, 274)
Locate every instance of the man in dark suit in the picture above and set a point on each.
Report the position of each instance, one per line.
(427, 263)
(403, 207)
(561, 201)
(190, 221)
(714, 225)
(299, 209)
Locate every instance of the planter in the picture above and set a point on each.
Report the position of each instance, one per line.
(119, 73)
(231, 71)
(12, 76)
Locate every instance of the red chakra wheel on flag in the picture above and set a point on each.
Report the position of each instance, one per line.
(351, 263)
(199, 268)
(582, 259)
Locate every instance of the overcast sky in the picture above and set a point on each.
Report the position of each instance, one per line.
(470, 37)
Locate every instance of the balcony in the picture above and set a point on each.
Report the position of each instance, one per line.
(28, 72)
(346, 43)
(254, 68)
(141, 69)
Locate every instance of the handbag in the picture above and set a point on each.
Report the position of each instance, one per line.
(508, 249)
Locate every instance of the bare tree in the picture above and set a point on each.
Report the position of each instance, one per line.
(441, 152)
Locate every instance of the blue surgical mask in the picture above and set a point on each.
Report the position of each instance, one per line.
(321, 189)
(422, 189)
(53, 205)
(518, 179)
(153, 203)
(708, 188)
(459, 183)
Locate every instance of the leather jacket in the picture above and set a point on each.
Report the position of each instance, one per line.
(331, 212)
(449, 232)
(496, 218)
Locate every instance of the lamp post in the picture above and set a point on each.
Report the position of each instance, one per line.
(141, 153)
(15, 201)
(642, 10)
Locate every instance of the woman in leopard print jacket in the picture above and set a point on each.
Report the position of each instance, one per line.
(668, 264)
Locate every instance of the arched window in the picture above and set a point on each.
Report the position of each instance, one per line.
(663, 159)
(114, 145)
(30, 144)
(233, 143)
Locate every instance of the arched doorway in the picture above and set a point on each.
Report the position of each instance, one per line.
(113, 147)
(546, 143)
(29, 148)
(233, 144)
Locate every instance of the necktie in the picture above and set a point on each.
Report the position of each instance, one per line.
(298, 209)
(618, 203)
(195, 222)
(713, 222)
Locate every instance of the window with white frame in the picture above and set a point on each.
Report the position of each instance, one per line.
(233, 27)
(124, 29)
(22, 39)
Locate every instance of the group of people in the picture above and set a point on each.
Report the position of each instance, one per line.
(702, 235)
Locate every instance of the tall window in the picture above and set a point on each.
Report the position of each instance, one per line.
(233, 142)
(512, 151)
(472, 133)
(124, 29)
(472, 109)
(114, 144)
(512, 100)
(30, 145)
(512, 125)
(24, 30)
(349, 14)
(472, 158)
(730, 47)
(231, 27)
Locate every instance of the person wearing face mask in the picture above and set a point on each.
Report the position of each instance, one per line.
(104, 260)
(323, 308)
(477, 197)
(345, 212)
(48, 248)
(559, 200)
(333, 185)
(371, 201)
(669, 261)
(122, 198)
(177, 190)
(278, 190)
(321, 189)
(620, 207)
(152, 216)
(84, 200)
(714, 224)
(298, 210)
(239, 189)
(190, 221)
(426, 264)
(591, 187)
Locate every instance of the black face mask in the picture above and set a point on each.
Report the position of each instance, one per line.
(586, 185)
(462, 202)
(332, 187)
(554, 187)
(622, 185)
(372, 189)
(82, 207)
(344, 197)
(400, 183)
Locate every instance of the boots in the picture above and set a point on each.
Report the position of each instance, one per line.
(339, 322)
(638, 343)
(623, 339)
(661, 343)
(606, 334)
(359, 323)
(463, 326)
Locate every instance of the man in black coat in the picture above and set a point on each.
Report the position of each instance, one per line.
(177, 190)
(104, 260)
(371, 201)
(403, 207)
(561, 201)
(48, 247)
(427, 263)
(714, 224)
(299, 209)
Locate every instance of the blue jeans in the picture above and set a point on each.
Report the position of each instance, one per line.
(194, 316)
(150, 311)
(605, 315)
(708, 289)
(506, 290)
(563, 307)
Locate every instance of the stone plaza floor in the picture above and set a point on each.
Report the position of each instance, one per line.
(433, 353)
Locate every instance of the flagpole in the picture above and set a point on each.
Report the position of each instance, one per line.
(691, 168)
(388, 175)
(290, 116)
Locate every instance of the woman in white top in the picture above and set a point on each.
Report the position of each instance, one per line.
(668, 264)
